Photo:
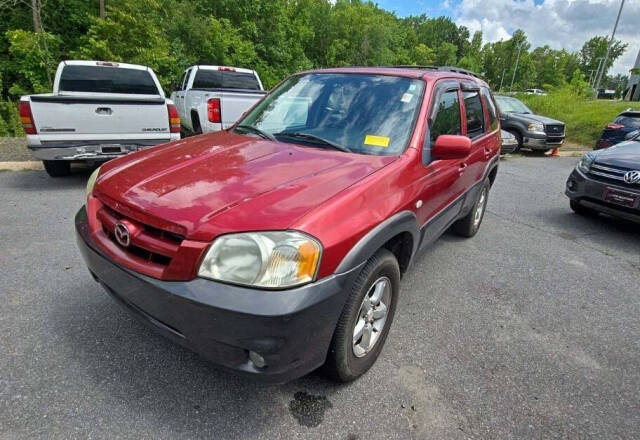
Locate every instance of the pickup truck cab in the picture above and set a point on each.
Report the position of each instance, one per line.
(278, 245)
(98, 110)
(212, 98)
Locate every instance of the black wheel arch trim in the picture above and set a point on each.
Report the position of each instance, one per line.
(403, 221)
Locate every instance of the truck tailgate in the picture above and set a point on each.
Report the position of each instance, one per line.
(236, 103)
(61, 116)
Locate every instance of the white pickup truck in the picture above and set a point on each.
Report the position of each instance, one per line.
(97, 111)
(212, 98)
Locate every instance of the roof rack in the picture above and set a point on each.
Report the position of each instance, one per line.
(441, 68)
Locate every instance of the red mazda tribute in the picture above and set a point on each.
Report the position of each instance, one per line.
(278, 245)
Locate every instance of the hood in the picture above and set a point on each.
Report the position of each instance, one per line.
(623, 155)
(225, 182)
(536, 118)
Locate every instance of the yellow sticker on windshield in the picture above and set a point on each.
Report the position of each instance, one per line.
(377, 141)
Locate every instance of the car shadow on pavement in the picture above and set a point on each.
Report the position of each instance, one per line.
(112, 354)
(33, 180)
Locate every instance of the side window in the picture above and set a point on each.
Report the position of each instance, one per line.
(447, 119)
(475, 114)
(491, 109)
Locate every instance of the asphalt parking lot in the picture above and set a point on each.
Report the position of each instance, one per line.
(529, 330)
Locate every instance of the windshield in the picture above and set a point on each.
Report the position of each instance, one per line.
(367, 114)
(512, 105)
(107, 80)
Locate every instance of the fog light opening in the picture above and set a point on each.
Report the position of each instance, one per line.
(571, 185)
(257, 360)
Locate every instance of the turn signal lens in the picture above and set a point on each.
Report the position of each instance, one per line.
(26, 118)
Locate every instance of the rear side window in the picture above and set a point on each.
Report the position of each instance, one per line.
(475, 114)
(628, 120)
(491, 108)
(101, 79)
(221, 79)
(447, 119)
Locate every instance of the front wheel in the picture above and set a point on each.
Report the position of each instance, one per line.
(468, 225)
(57, 168)
(365, 320)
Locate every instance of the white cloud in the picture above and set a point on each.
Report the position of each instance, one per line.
(559, 23)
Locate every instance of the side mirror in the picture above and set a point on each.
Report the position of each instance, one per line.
(451, 147)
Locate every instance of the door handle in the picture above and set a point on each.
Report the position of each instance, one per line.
(104, 111)
(462, 167)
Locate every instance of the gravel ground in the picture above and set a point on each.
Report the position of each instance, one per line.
(530, 330)
(14, 149)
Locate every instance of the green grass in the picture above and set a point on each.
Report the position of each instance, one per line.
(584, 118)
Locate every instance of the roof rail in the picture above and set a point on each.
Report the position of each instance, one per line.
(458, 70)
(441, 68)
(413, 66)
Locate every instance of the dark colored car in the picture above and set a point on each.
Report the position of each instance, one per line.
(509, 142)
(616, 131)
(278, 245)
(535, 132)
(608, 181)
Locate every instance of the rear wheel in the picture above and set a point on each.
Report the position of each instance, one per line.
(468, 225)
(366, 318)
(57, 168)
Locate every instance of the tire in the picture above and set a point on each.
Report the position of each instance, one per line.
(469, 225)
(581, 210)
(57, 168)
(518, 138)
(343, 364)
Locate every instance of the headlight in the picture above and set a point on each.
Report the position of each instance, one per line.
(585, 163)
(263, 259)
(92, 181)
(537, 127)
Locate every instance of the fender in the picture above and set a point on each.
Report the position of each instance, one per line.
(403, 221)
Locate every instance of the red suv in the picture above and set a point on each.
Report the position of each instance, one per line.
(278, 245)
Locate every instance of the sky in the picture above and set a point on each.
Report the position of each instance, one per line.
(562, 24)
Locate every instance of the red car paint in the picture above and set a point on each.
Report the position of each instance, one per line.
(201, 187)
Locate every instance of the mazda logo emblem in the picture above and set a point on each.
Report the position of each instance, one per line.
(632, 177)
(122, 234)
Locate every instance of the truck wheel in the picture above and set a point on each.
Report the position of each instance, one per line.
(366, 318)
(57, 168)
(518, 138)
(468, 225)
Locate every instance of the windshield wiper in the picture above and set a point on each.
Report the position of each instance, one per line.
(256, 130)
(313, 138)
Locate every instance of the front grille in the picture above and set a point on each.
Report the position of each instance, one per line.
(554, 129)
(611, 174)
(149, 244)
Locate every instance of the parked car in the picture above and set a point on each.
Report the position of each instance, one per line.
(212, 98)
(608, 181)
(535, 92)
(617, 131)
(509, 142)
(535, 132)
(98, 110)
(278, 245)
(606, 94)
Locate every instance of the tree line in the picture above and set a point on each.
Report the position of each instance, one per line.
(274, 37)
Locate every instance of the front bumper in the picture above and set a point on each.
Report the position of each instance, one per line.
(291, 329)
(541, 142)
(92, 150)
(591, 194)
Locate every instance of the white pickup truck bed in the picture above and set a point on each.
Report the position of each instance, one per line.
(93, 116)
(212, 98)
